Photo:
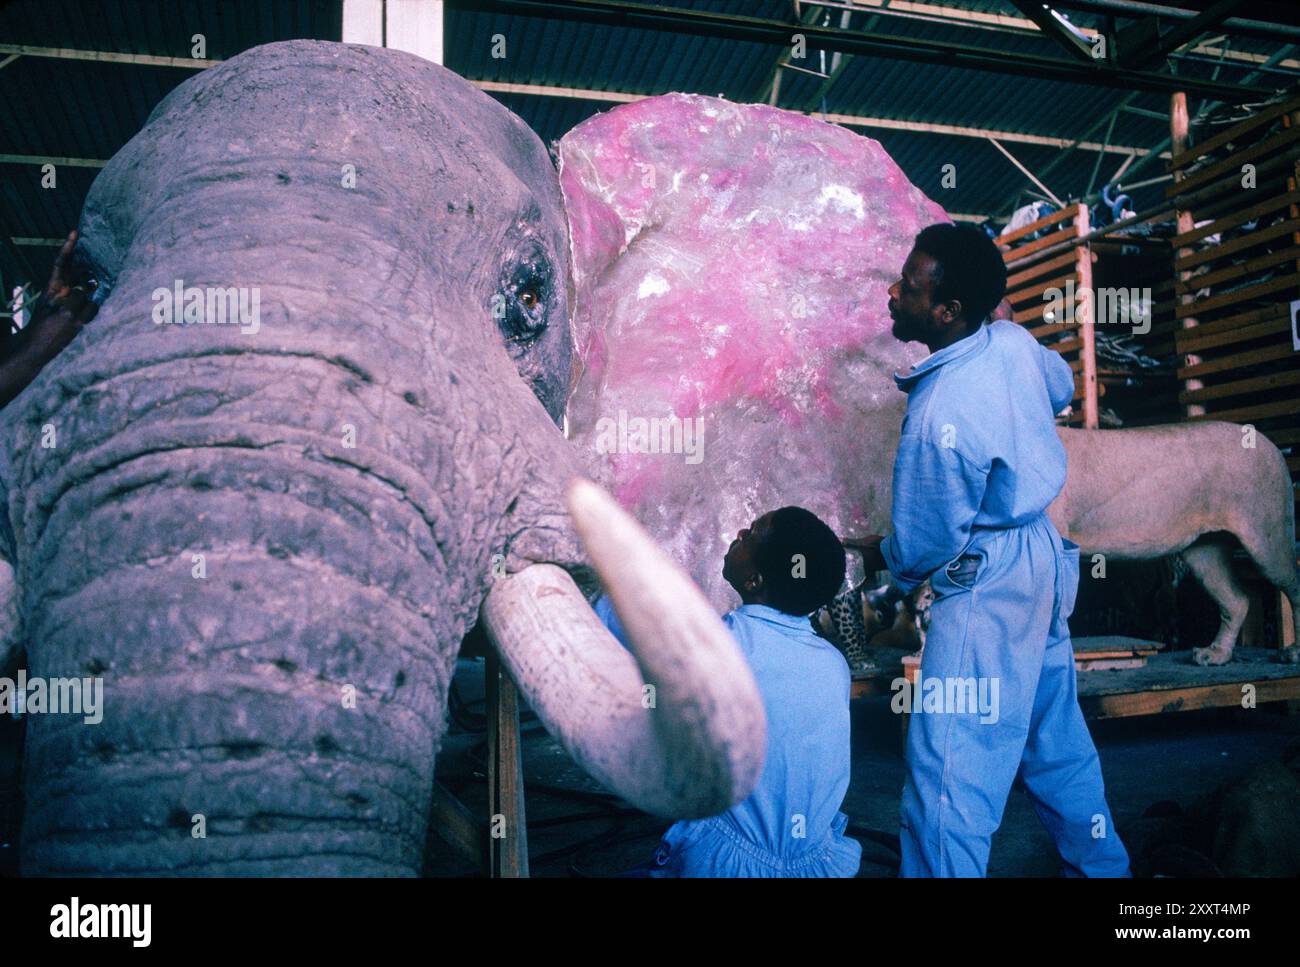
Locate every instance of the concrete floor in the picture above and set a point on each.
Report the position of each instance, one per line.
(575, 829)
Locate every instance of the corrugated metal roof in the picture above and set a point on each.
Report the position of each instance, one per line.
(69, 108)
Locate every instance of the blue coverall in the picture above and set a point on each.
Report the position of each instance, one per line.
(978, 463)
(791, 824)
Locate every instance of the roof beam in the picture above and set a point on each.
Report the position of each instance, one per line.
(852, 120)
(645, 16)
(41, 159)
(1022, 27)
(1183, 33)
(1241, 26)
(107, 56)
(1027, 173)
(1051, 24)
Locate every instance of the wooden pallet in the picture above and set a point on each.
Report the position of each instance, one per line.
(1168, 682)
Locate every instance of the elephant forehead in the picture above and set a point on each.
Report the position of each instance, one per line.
(732, 265)
(409, 149)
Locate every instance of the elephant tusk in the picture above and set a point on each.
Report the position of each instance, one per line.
(679, 729)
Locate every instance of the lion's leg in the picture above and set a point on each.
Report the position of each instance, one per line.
(1211, 562)
(1274, 554)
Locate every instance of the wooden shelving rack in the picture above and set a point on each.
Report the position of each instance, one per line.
(1062, 248)
(1056, 258)
(1235, 285)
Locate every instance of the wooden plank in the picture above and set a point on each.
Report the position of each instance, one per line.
(508, 832)
(1050, 329)
(1220, 196)
(1240, 387)
(1175, 669)
(1179, 123)
(1186, 699)
(1251, 357)
(1232, 166)
(456, 824)
(1087, 334)
(1247, 294)
(1183, 158)
(1194, 341)
(1034, 314)
(1041, 268)
(1239, 270)
(1014, 236)
(1036, 292)
(1108, 664)
(1250, 317)
(1016, 256)
(1248, 241)
(1091, 644)
(1247, 414)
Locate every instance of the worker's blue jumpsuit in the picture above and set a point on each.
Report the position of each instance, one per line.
(978, 463)
(791, 824)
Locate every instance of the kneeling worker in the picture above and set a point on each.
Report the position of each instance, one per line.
(784, 566)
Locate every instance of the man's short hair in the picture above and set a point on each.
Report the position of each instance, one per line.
(801, 560)
(969, 268)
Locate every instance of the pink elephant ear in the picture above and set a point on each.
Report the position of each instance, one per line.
(732, 265)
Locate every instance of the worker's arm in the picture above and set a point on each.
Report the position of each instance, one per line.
(937, 496)
(1059, 378)
(56, 318)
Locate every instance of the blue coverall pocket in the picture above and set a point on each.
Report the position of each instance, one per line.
(962, 572)
(1069, 578)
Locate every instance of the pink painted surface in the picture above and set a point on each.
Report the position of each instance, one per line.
(732, 264)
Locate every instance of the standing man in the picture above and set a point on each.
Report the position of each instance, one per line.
(978, 464)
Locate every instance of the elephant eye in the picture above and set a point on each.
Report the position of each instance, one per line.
(529, 298)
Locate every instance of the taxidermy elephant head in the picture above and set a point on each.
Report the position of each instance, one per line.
(308, 439)
(732, 265)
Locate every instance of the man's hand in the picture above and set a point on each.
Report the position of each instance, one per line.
(869, 547)
(56, 318)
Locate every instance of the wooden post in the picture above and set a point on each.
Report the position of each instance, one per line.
(1086, 319)
(911, 672)
(1178, 127)
(507, 831)
(458, 825)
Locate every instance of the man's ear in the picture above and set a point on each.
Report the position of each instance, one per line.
(754, 582)
(951, 311)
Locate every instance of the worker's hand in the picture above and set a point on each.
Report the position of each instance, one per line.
(869, 547)
(62, 309)
(57, 316)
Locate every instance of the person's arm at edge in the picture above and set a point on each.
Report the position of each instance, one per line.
(57, 317)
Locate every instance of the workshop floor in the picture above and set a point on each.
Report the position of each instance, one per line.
(573, 829)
